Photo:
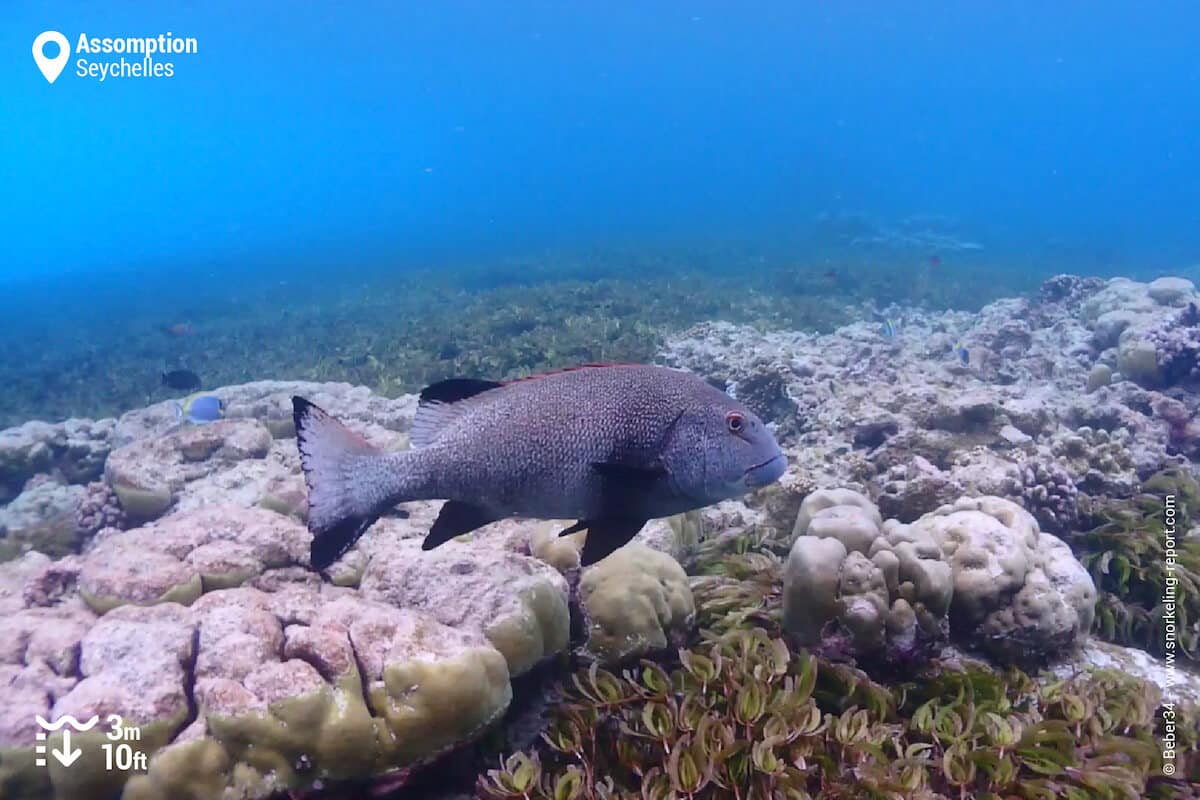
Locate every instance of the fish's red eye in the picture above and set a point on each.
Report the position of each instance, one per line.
(735, 421)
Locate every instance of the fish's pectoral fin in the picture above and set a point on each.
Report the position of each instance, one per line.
(630, 476)
(606, 535)
(455, 519)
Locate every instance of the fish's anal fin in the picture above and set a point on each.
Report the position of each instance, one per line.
(441, 403)
(576, 528)
(606, 535)
(455, 519)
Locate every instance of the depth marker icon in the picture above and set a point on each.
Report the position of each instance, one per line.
(66, 755)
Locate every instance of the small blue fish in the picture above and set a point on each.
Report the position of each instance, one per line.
(963, 353)
(200, 409)
(890, 328)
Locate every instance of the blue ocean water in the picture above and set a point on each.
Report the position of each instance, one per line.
(314, 147)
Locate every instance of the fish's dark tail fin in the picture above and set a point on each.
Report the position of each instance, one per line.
(341, 506)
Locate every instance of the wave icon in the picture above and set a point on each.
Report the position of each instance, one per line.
(68, 719)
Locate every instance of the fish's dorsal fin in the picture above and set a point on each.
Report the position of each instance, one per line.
(577, 368)
(452, 390)
(441, 403)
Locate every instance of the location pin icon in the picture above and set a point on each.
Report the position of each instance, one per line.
(51, 67)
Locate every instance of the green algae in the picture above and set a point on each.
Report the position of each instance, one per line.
(743, 712)
(1126, 554)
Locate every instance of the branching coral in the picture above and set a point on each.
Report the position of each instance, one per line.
(1050, 495)
(99, 509)
(1176, 347)
(1100, 461)
(1069, 289)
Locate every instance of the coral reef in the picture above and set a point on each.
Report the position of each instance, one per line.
(260, 678)
(638, 602)
(1155, 343)
(519, 603)
(1019, 593)
(742, 714)
(289, 685)
(99, 509)
(1049, 493)
(44, 517)
(887, 591)
(73, 452)
(1176, 351)
(1069, 290)
(995, 502)
(908, 424)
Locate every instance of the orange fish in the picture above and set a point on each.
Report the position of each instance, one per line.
(179, 329)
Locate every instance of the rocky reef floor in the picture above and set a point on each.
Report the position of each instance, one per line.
(980, 576)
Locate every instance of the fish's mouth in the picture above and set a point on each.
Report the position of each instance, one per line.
(767, 472)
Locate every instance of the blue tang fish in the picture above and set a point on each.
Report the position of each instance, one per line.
(963, 353)
(200, 409)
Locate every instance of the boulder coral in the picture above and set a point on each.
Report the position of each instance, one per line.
(245, 691)
(148, 474)
(1019, 593)
(72, 451)
(44, 517)
(880, 584)
(1154, 329)
(637, 601)
(256, 676)
(518, 602)
(982, 564)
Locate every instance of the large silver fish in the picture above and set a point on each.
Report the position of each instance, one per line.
(609, 445)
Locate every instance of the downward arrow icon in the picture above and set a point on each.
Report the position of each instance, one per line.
(66, 756)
